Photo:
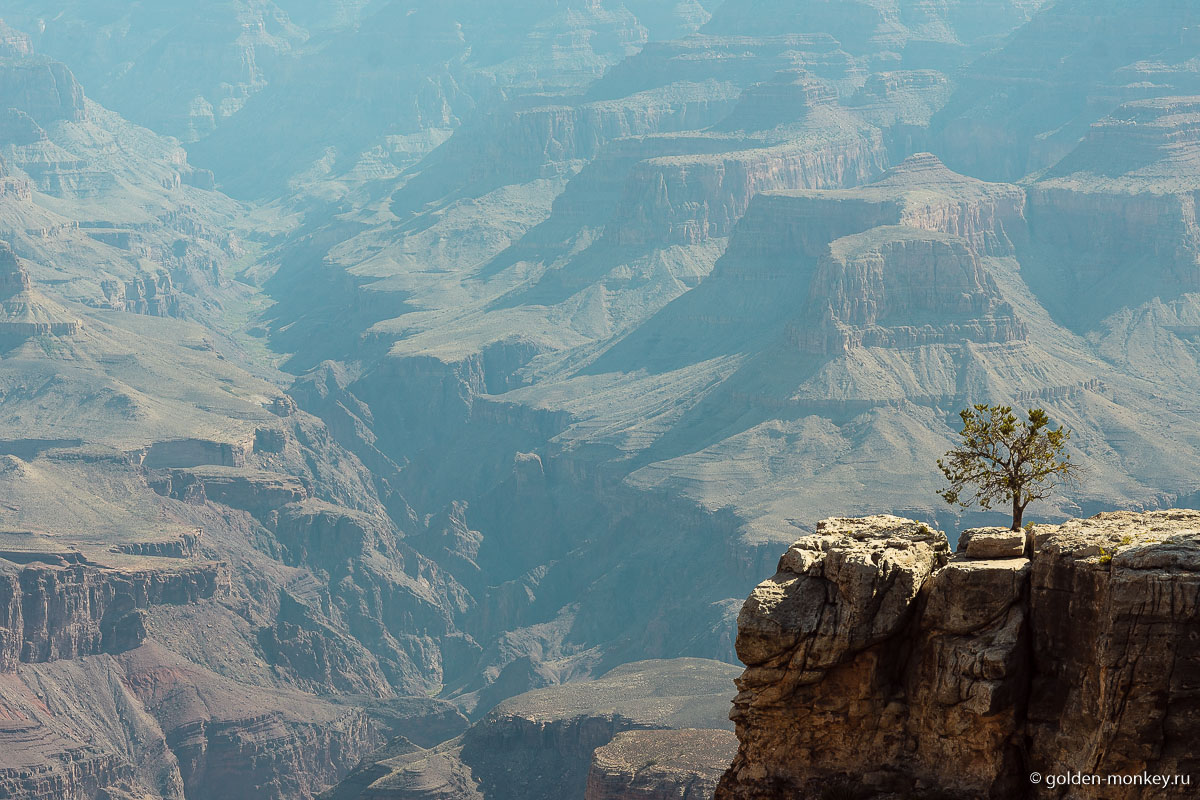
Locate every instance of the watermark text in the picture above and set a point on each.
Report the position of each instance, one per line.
(1096, 779)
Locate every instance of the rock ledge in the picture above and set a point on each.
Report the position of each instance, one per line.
(879, 660)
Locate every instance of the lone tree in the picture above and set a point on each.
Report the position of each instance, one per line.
(1001, 460)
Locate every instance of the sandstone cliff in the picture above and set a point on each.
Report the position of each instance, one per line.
(68, 610)
(880, 661)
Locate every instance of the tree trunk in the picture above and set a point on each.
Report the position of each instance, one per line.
(1018, 512)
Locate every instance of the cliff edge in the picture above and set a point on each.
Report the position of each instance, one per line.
(879, 660)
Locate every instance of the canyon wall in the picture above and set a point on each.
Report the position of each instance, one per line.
(660, 765)
(543, 745)
(68, 610)
(882, 662)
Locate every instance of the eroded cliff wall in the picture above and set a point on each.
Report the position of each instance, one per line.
(881, 661)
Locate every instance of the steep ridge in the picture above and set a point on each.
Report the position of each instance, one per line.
(817, 275)
(149, 724)
(71, 610)
(112, 214)
(189, 559)
(880, 662)
(375, 125)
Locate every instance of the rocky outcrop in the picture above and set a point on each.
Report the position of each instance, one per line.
(44, 89)
(25, 312)
(687, 199)
(522, 143)
(185, 545)
(256, 491)
(242, 742)
(151, 293)
(902, 287)
(50, 612)
(902, 262)
(660, 765)
(788, 97)
(919, 193)
(186, 453)
(539, 745)
(879, 660)
(39, 766)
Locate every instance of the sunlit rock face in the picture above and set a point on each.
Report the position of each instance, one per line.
(879, 660)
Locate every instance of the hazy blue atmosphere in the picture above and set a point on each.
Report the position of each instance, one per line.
(399, 399)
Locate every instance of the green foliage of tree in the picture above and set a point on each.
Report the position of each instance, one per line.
(1002, 460)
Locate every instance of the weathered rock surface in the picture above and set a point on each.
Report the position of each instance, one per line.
(25, 312)
(660, 765)
(987, 543)
(149, 724)
(44, 89)
(903, 287)
(539, 745)
(51, 611)
(240, 742)
(878, 661)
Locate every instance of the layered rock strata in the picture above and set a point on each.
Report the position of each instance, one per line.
(25, 312)
(540, 745)
(903, 287)
(660, 765)
(148, 724)
(1114, 223)
(50, 611)
(880, 661)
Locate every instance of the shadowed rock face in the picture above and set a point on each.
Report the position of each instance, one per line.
(70, 611)
(878, 659)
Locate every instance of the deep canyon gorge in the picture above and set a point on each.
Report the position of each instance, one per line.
(400, 399)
